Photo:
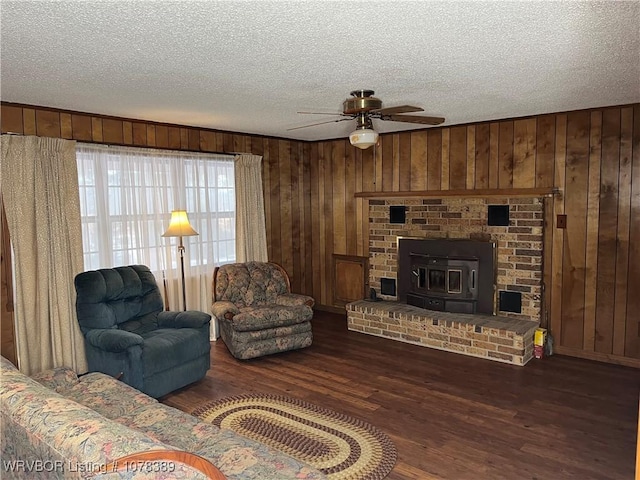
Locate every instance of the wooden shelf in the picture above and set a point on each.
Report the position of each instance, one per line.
(488, 192)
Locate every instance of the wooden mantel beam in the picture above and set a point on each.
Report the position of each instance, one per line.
(479, 193)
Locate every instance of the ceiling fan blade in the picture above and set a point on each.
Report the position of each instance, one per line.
(398, 109)
(413, 119)
(319, 123)
(321, 113)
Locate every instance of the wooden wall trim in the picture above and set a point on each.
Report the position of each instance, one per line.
(21, 119)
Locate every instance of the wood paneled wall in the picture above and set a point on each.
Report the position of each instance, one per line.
(591, 268)
(592, 156)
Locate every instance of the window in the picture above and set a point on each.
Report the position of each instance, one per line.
(126, 199)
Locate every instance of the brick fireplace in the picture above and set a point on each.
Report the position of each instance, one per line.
(518, 242)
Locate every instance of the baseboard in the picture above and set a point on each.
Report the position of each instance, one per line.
(331, 309)
(597, 356)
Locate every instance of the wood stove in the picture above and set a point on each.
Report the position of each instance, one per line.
(447, 275)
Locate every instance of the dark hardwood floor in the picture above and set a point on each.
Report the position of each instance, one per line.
(451, 416)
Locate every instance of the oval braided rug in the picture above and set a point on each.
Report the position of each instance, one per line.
(342, 447)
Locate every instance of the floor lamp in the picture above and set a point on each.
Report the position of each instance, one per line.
(179, 226)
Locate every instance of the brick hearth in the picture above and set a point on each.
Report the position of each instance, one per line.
(501, 339)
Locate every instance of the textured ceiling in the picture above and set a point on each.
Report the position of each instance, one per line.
(249, 66)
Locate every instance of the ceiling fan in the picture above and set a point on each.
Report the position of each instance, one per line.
(363, 107)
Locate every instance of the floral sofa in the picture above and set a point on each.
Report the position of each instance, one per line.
(65, 426)
(257, 313)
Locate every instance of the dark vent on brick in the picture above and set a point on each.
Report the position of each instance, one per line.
(498, 215)
(388, 286)
(397, 214)
(510, 301)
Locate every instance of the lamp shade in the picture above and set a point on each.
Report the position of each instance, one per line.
(363, 138)
(179, 225)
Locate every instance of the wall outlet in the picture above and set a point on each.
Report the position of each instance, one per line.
(561, 221)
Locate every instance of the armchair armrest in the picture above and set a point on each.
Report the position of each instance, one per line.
(112, 339)
(224, 309)
(292, 299)
(188, 319)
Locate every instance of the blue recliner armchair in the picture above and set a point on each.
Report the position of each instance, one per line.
(128, 335)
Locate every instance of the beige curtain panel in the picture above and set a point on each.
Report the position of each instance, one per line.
(251, 234)
(39, 184)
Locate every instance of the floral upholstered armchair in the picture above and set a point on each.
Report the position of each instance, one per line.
(257, 313)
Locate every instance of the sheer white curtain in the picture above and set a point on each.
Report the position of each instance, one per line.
(251, 233)
(127, 195)
(39, 185)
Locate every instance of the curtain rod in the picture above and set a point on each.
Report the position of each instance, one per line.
(167, 149)
(133, 146)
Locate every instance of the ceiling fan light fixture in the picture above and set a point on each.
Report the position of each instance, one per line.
(363, 138)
